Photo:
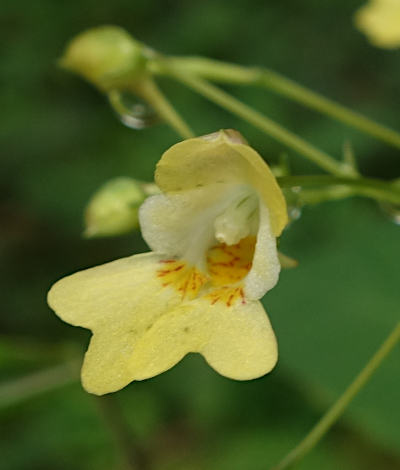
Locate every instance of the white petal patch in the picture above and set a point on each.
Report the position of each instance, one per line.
(182, 224)
(265, 269)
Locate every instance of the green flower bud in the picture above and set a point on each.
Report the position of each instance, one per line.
(113, 209)
(106, 56)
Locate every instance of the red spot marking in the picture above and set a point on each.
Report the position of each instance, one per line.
(184, 288)
(178, 268)
(215, 300)
(242, 296)
(162, 273)
(168, 261)
(229, 302)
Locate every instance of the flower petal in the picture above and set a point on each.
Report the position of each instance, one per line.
(174, 224)
(242, 345)
(119, 302)
(107, 295)
(221, 158)
(237, 341)
(141, 329)
(379, 20)
(107, 364)
(265, 269)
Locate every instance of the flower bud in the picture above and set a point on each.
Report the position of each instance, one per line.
(113, 209)
(106, 56)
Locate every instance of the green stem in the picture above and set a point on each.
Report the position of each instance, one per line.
(149, 91)
(332, 415)
(370, 187)
(230, 73)
(208, 69)
(265, 124)
(24, 388)
(131, 454)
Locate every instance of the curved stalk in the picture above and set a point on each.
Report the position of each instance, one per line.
(131, 453)
(369, 187)
(230, 73)
(265, 124)
(150, 92)
(332, 415)
(36, 383)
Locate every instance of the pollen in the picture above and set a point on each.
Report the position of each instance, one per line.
(186, 279)
(229, 264)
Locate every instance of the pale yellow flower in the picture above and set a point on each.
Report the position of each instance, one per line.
(380, 21)
(213, 233)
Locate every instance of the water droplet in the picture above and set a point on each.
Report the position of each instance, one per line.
(294, 206)
(391, 211)
(294, 213)
(132, 111)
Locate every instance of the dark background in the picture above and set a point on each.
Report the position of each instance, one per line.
(60, 142)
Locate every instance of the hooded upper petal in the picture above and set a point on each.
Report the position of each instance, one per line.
(223, 157)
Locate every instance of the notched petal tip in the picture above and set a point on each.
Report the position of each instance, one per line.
(104, 368)
(237, 341)
(241, 343)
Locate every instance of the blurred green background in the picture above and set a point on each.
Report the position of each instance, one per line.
(60, 142)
